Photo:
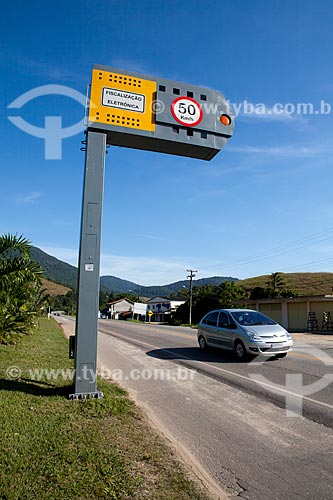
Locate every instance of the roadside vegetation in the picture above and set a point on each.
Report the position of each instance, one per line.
(207, 298)
(275, 287)
(21, 294)
(53, 448)
(65, 303)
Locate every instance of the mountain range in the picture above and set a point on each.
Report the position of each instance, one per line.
(66, 274)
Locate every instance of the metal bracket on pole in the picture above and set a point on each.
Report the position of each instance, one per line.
(89, 263)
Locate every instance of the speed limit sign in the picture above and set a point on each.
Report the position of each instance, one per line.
(186, 111)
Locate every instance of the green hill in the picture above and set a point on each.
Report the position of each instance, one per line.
(52, 288)
(306, 284)
(166, 290)
(54, 269)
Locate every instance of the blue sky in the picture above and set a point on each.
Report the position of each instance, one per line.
(263, 204)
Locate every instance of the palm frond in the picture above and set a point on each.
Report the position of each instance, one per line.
(10, 243)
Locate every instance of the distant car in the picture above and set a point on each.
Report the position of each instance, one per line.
(245, 332)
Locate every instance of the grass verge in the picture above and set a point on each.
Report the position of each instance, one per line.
(53, 448)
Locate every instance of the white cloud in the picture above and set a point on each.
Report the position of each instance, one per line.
(150, 237)
(142, 270)
(65, 254)
(29, 198)
(131, 65)
(290, 151)
(39, 67)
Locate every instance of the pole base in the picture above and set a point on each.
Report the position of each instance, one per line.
(86, 395)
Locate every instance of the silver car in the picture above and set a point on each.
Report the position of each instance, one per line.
(245, 332)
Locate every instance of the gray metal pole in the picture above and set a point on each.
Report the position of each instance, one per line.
(89, 261)
(191, 276)
(191, 291)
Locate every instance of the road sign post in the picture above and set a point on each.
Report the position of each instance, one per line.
(89, 261)
(143, 112)
(150, 313)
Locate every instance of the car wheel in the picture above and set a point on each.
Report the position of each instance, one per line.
(240, 351)
(202, 343)
(283, 355)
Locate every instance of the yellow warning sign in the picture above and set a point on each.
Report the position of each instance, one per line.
(122, 100)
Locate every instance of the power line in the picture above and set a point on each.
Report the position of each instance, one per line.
(250, 261)
(325, 262)
(309, 240)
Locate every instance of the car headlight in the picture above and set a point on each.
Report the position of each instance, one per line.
(252, 335)
(288, 335)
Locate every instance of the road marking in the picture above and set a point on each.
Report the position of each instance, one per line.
(223, 370)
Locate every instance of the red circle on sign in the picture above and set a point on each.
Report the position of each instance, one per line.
(179, 120)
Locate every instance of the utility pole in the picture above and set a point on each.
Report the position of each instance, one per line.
(191, 276)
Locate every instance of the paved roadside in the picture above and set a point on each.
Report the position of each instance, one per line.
(67, 324)
(313, 338)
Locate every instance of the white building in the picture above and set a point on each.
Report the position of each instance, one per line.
(162, 307)
(118, 307)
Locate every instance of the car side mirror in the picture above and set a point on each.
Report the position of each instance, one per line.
(232, 326)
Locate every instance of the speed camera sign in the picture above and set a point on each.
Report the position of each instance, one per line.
(132, 110)
(156, 114)
(186, 111)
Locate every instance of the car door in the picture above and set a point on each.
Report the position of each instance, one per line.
(209, 327)
(225, 334)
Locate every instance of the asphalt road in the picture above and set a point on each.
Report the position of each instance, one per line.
(232, 425)
(309, 368)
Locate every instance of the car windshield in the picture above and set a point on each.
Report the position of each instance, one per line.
(251, 318)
